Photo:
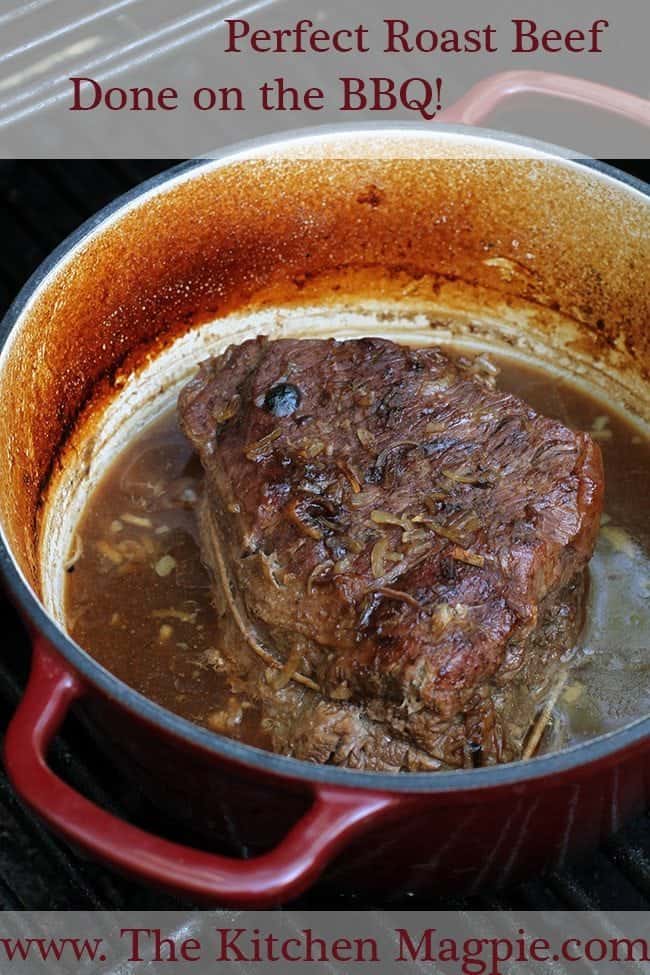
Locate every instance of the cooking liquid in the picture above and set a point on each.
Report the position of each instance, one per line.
(138, 598)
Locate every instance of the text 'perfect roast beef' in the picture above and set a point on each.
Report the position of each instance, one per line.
(397, 548)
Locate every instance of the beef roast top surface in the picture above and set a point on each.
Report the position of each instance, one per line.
(387, 518)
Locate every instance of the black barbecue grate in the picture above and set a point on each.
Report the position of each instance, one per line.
(40, 203)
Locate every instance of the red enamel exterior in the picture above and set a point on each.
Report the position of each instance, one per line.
(449, 842)
(333, 818)
(500, 89)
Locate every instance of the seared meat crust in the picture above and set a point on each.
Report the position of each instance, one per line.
(394, 533)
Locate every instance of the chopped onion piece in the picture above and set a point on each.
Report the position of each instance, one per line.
(109, 552)
(137, 520)
(165, 565)
(470, 558)
(75, 555)
(386, 518)
(257, 450)
(377, 557)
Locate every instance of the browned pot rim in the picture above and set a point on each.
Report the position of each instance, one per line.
(606, 749)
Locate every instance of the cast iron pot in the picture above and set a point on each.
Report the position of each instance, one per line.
(424, 234)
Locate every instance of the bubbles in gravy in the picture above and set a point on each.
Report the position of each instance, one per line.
(138, 597)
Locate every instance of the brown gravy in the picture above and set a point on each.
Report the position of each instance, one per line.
(138, 598)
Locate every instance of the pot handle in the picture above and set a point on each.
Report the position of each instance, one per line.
(273, 877)
(486, 96)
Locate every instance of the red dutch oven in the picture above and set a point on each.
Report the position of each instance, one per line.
(419, 233)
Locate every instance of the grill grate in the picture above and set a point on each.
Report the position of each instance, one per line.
(39, 204)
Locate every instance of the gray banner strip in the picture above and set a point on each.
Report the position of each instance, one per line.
(329, 942)
(181, 78)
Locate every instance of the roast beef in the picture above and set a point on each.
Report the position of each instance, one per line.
(397, 547)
